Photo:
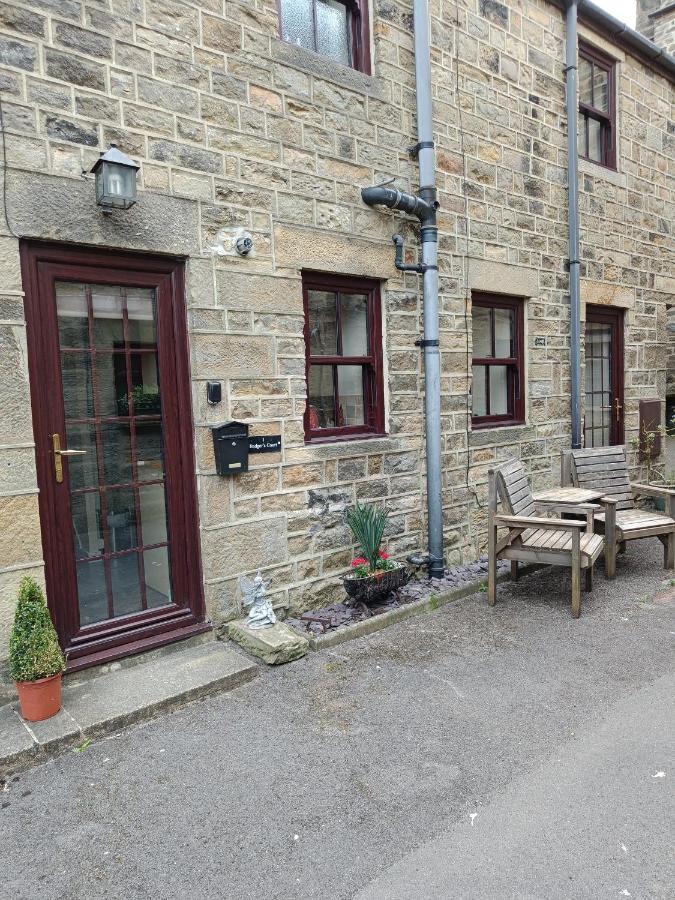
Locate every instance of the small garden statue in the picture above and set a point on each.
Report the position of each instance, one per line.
(261, 614)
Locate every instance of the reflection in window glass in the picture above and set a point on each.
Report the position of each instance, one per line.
(322, 323)
(585, 81)
(594, 140)
(354, 324)
(73, 319)
(503, 333)
(108, 319)
(321, 397)
(600, 89)
(350, 392)
(478, 395)
(482, 332)
(499, 404)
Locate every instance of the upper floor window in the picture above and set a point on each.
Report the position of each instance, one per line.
(334, 28)
(498, 384)
(597, 115)
(343, 342)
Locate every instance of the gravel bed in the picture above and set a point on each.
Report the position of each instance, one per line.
(339, 615)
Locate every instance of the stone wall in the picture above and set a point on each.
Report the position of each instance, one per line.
(235, 129)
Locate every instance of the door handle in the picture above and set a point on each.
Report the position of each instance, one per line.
(58, 453)
(617, 409)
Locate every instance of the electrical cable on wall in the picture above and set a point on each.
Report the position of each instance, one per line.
(4, 171)
(465, 260)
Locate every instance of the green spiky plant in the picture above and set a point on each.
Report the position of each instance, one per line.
(367, 524)
(34, 650)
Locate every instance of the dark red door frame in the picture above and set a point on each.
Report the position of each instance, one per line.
(614, 317)
(42, 264)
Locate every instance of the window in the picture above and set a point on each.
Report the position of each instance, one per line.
(334, 28)
(343, 340)
(498, 388)
(596, 135)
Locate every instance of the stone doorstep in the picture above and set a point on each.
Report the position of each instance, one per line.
(392, 616)
(94, 707)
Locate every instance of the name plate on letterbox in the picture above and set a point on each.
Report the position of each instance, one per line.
(264, 443)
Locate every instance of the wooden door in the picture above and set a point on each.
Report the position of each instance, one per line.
(604, 418)
(111, 404)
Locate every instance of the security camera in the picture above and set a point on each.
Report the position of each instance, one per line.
(244, 244)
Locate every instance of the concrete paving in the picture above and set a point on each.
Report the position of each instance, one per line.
(124, 693)
(469, 752)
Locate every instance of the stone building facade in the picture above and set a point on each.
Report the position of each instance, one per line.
(235, 129)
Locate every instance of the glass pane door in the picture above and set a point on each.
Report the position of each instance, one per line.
(603, 423)
(113, 417)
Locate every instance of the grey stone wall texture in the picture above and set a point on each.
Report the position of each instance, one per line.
(234, 128)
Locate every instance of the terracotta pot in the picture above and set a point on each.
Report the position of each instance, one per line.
(39, 699)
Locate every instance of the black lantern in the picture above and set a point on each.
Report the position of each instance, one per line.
(115, 179)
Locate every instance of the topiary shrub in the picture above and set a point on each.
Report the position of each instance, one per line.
(34, 650)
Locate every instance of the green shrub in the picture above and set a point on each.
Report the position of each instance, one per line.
(34, 650)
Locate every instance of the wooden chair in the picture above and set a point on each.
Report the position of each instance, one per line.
(605, 468)
(557, 542)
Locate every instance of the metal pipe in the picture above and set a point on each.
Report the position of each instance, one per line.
(432, 358)
(573, 218)
(424, 207)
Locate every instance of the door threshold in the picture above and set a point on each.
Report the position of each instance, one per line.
(127, 654)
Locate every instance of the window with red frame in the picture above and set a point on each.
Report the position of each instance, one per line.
(497, 393)
(597, 115)
(334, 28)
(343, 341)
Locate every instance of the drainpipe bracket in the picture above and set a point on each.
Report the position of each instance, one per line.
(420, 145)
(423, 342)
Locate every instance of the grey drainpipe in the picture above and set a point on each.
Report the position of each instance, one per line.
(424, 207)
(573, 218)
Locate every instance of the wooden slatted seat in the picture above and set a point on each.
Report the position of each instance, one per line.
(605, 468)
(558, 542)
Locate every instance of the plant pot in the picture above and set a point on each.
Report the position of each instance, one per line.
(376, 587)
(39, 699)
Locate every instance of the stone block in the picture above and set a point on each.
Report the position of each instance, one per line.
(231, 355)
(488, 275)
(20, 540)
(17, 470)
(244, 547)
(262, 293)
(74, 69)
(48, 207)
(332, 252)
(275, 645)
(18, 54)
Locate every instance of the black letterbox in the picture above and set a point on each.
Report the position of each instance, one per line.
(230, 447)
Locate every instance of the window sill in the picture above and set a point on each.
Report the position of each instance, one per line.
(508, 423)
(321, 66)
(343, 438)
(598, 170)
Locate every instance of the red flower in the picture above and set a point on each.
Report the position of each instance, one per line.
(359, 561)
(382, 554)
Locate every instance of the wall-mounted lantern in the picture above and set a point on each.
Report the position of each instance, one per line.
(115, 180)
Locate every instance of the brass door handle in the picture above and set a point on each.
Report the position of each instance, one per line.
(58, 453)
(617, 409)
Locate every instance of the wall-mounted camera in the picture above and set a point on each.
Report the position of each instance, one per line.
(244, 244)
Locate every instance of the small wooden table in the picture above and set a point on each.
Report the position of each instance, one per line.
(569, 495)
(571, 500)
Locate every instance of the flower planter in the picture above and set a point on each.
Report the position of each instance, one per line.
(39, 699)
(376, 587)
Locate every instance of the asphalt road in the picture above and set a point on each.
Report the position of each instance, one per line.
(470, 753)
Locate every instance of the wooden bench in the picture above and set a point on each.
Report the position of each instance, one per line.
(605, 468)
(557, 542)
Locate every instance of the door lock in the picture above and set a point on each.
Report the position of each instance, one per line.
(58, 454)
